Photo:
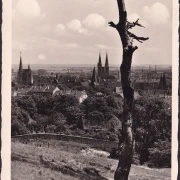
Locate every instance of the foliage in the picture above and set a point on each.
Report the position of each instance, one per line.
(27, 103)
(160, 154)
(18, 127)
(114, 124)
(61, 103)
(64, 114)
(95, 118)
(50, 128)
(152, 120)
(56, 119)
(108, 106)
(44, 105)
(42, 72)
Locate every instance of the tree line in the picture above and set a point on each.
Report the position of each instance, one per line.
(64, 114)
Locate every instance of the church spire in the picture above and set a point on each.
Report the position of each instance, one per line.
(107, 62)
(93, 80)
(20, 64)
(99, 63)
(29, 66)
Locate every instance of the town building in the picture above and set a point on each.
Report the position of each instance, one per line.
(80, 95)
(119, 92)
(43, 90)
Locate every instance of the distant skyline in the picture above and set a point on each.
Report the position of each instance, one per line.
(75, 31)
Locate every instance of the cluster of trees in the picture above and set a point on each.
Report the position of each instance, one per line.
(39, 113)
(48, 114)
(99, 110)
(152, 127)
(153, 130)
(64, 114)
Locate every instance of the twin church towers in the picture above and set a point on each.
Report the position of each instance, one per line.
(103, 71)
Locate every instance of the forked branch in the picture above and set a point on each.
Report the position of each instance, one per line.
(133, 24)
(140, 39)
(123, 26)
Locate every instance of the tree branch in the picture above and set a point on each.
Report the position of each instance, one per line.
(140, 39)
(112, 24)
(133, 24)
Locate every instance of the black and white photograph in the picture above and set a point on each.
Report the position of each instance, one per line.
(92, 90)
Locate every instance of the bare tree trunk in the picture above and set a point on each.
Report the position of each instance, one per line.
(126, 147)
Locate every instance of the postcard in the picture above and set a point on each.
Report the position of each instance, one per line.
(89, 90)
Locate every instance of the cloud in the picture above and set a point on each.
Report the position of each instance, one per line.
(151, 49)
(157, 13)
(60, 29)
(28, 9)
(41, 56)
(19, 46)
(43, 15)
(133, 17)
(44, 28)
(105, 47)
(75, 25)
(73, 45)
(54, 43)
(94, 21)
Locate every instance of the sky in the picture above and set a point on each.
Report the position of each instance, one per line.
(75, 31)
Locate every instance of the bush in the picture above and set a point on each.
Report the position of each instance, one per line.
(50, 128)
(160, 155)
(18, 128)
(113, 137)
(136, 159)
(114, 154)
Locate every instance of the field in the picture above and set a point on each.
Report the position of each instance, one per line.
(59, 160)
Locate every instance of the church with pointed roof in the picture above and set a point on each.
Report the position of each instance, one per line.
(103, 71)
(94, 78)
(24, 76)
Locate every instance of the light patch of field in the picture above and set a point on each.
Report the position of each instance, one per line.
(27, 171)
(94, 152)
(29, 166)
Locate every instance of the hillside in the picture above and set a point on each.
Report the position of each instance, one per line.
(70, 161)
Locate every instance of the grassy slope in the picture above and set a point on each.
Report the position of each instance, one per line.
(58, 152)
(27, 171)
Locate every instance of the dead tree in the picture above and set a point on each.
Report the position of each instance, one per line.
(126, 147)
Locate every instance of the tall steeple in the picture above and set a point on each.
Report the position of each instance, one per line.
(20, 64)
(93, 80)
(29, 66)
(164, 80)
(107, 62)
(161, 81)
(100, 63)
(106, 66)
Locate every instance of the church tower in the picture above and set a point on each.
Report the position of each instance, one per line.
(99, 65)
(93, 79)
(24, 76)
(107, 65)
(20, 71)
